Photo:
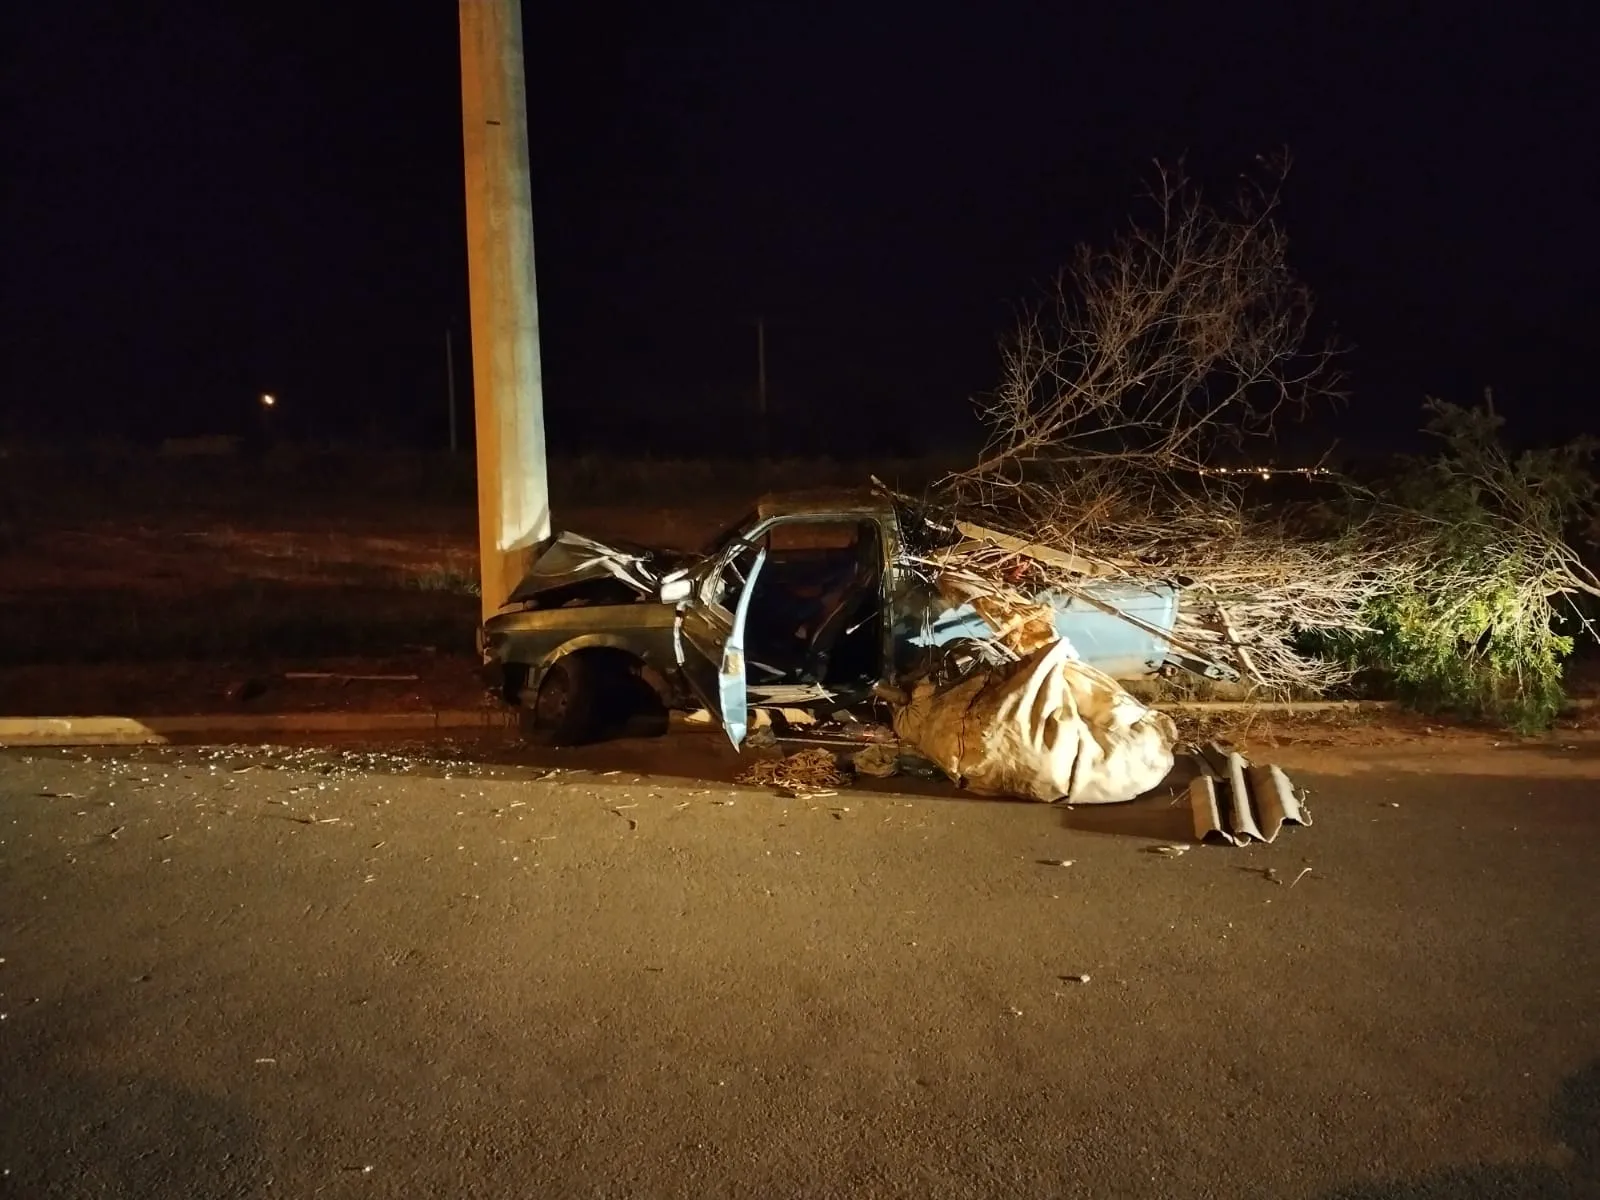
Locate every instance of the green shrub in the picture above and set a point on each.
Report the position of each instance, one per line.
(1487, 653)
(1472, 630)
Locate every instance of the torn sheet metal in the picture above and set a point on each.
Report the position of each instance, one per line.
(569, 558)
(783, 694)
(1097, 624)
(1236, 802)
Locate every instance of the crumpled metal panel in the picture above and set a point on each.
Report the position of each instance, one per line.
(1119, 647)
(1237, 802)
(570, 558)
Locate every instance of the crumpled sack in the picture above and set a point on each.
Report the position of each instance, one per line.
(1046, 728)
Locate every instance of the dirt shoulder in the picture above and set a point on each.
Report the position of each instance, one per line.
(404, 683)
(1356, 743)
(1333, 743)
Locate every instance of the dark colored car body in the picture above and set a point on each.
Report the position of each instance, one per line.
(763, 619)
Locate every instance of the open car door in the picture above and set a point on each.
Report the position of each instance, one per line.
(711, 643)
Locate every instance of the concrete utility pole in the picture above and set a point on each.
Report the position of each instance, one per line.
(508, 387)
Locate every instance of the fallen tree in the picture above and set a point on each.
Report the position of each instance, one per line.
(1173, 349)
(1152, 361)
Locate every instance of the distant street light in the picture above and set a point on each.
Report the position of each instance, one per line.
(268, 400)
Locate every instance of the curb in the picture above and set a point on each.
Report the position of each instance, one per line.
(156, 731)
(1309, 706)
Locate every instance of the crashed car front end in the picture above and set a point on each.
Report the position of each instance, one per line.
(582, 595)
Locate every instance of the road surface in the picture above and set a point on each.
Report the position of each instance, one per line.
(233, 974)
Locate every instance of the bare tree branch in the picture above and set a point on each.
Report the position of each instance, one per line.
(1151, 357)
(1184, 335)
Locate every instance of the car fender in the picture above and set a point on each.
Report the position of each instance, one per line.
(652, 673)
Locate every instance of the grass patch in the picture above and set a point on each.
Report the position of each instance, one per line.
(448, 579)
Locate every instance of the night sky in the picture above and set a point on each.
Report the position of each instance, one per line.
(208, 201)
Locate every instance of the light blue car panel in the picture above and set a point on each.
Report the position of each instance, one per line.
(1117, 646)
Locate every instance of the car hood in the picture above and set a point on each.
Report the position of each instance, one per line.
(570, 558)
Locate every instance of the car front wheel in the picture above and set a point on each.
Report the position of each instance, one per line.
(564, 711)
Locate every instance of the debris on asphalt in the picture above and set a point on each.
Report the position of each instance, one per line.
(1235, 802)
(1075, 979)
(1304, 871)
(881, 761)
(802, 775)
(1170, 850)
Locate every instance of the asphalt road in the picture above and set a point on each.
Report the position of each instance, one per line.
(364, 976)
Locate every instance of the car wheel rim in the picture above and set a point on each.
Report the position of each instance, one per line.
(554, 698)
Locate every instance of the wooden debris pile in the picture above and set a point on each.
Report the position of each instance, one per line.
(810, 772)
(1248, 595)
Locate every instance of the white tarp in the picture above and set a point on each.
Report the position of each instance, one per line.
(1045, 728)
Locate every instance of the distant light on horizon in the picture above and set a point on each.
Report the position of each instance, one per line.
(268, 399)
(1267, 472)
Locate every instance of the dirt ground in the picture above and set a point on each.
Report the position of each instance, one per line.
(169, 554)
(1341, 743)
(478, 970)
(161, 612)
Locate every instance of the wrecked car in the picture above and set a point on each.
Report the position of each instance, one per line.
(814, 600)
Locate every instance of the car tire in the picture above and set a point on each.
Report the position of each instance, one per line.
(565, 710)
